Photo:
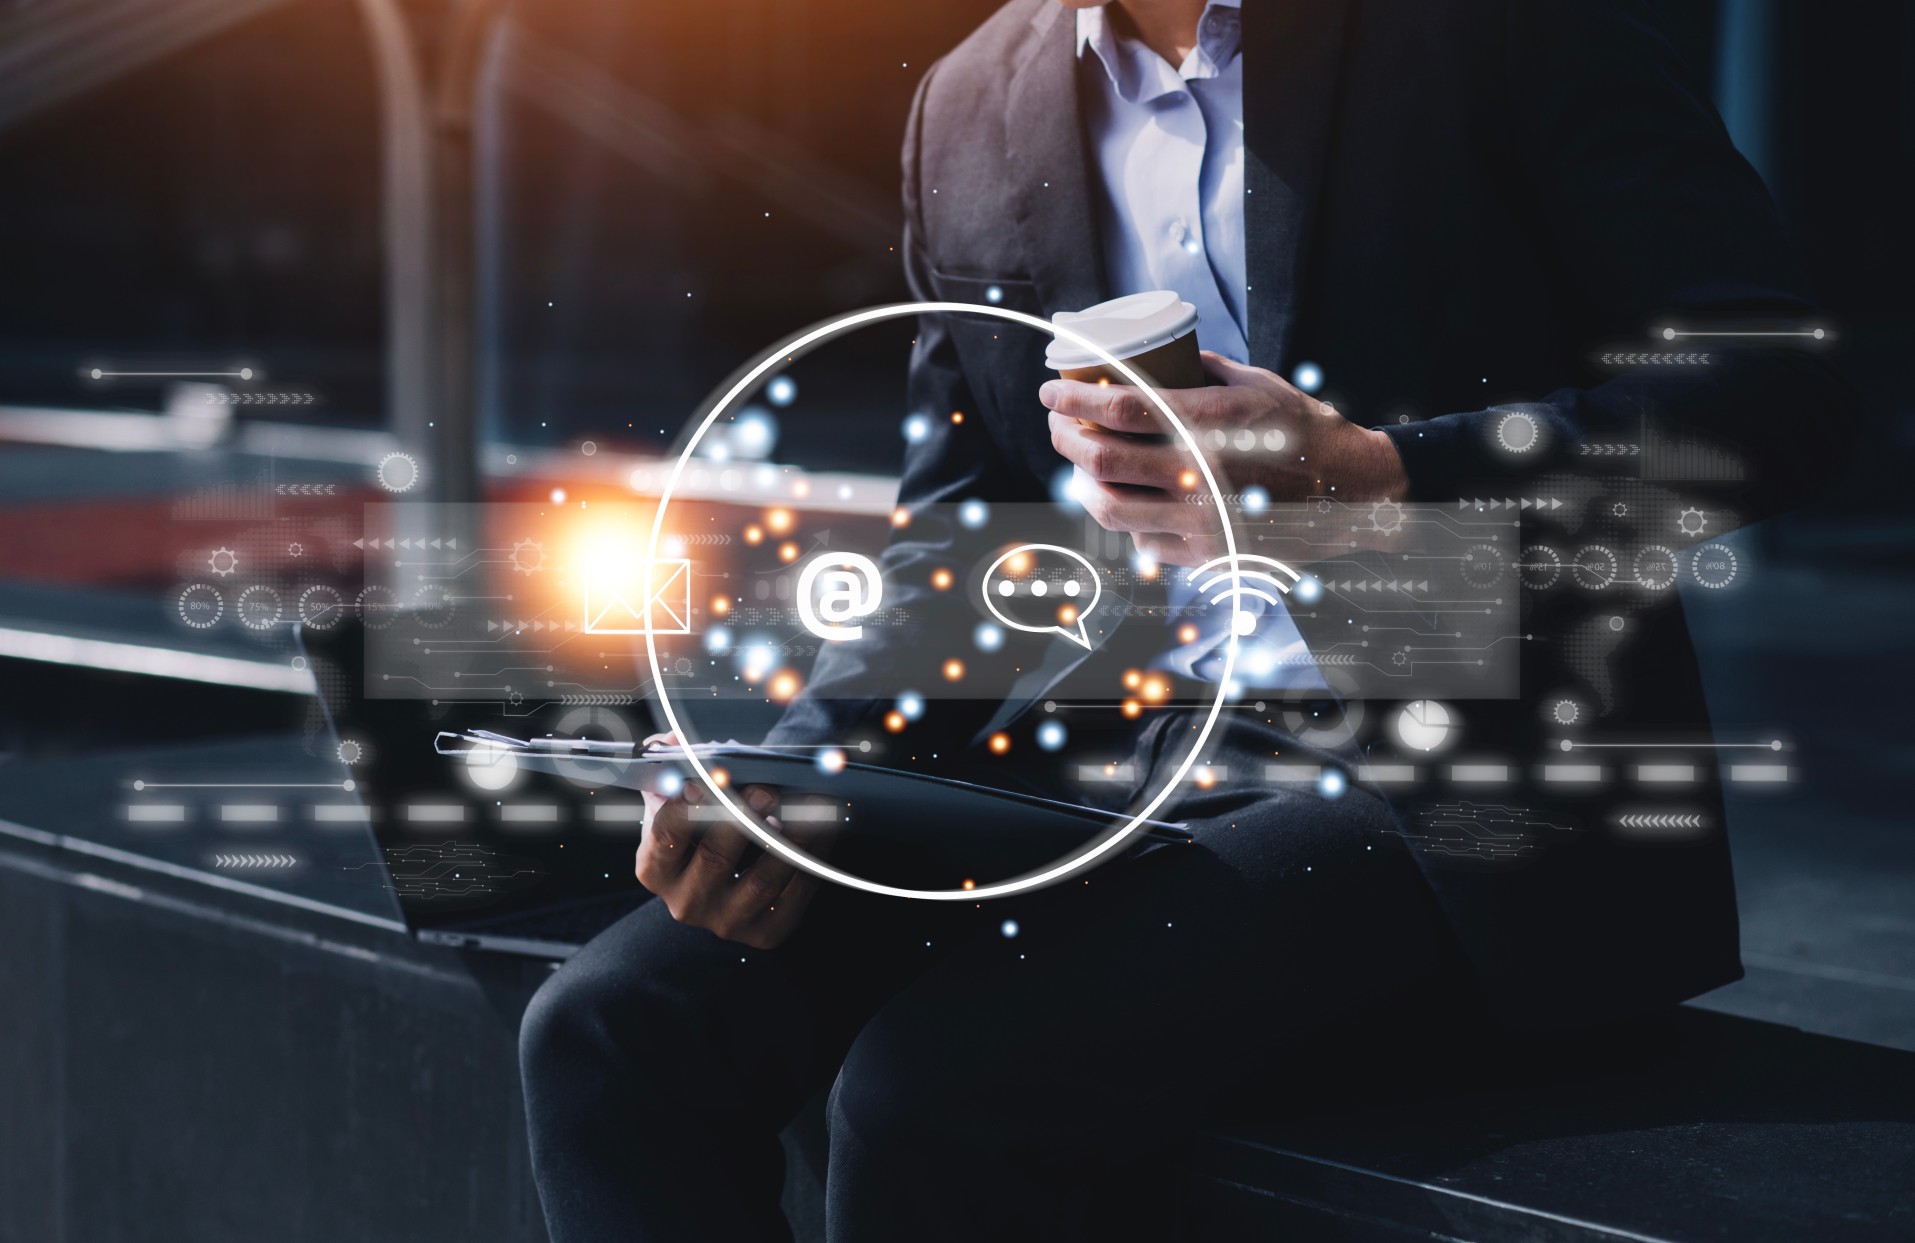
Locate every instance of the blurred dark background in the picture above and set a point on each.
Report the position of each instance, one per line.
(661, 189)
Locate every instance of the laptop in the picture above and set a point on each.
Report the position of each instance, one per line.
(537, 867)
(501, 846)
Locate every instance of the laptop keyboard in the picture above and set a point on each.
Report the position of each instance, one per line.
(572, 924)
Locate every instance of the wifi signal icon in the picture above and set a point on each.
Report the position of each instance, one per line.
(1239, 579)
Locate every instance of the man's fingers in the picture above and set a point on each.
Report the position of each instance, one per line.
(1117, 459)
(1145, 509)
(1172, 550)
(761, 883)
(668, 826)
(1118, 407)
(757, 892)
(782, 916)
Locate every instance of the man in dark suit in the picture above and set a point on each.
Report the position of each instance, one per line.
(1448, 208)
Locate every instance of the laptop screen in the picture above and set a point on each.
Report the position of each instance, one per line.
(463, 839)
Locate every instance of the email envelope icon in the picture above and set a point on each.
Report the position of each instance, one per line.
(668, 611)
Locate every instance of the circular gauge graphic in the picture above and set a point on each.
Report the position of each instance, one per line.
(1482, 566)
(377, 607)
(321, 607)
(432, 607)
(258, 607)
(201, 606)
(1324, 718)
(1595, 567)
(1713, 566)
(601, 724)
(1425, 725)
(1541, 567)
(1655, 568)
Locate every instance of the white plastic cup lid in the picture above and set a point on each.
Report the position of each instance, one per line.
(1128, 326)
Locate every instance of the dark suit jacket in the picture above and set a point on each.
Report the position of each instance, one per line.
(1449, 205)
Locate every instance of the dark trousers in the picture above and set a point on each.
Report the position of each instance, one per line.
(982, 1083)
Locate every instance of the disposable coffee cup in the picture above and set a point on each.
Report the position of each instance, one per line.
(1155, 333)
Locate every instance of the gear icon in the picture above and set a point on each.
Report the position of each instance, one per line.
(1518, 432)
(398, 472)
(1619, 509)
(1386, 516)
(223, 561)
(296, 549)
(1692, 522)
(1399, 658)
(528, 556)
(1565, 712)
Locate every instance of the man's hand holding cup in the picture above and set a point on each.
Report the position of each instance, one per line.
(1135, 475)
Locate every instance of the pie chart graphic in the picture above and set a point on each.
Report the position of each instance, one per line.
(1425, 725)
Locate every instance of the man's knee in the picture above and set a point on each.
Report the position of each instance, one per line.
(607, 1008)
(904, 1088)
(555, 1025)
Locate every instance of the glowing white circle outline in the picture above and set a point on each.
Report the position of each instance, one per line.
(777, 845)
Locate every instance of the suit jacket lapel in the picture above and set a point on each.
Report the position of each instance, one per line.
(1044, 140)
(1292, 62)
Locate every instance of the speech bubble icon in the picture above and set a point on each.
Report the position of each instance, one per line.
(1044, 600)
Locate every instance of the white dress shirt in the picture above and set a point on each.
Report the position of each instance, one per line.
(1167, 147)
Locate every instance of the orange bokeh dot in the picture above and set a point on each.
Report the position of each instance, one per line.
(1000, 743)
(1132, 679)
(779, 520)
(1132, 709)
(784, 684)
(1155, 690)
(1187, 633)
(787, 551)
(953, 670)
(900, 517)
(721, 605)
(754, 534)
(957, 417)
(895, 722)
(1188, 479)
(941, 579)
(1066, 614)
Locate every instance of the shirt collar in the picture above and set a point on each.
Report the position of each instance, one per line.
(1139, 74)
